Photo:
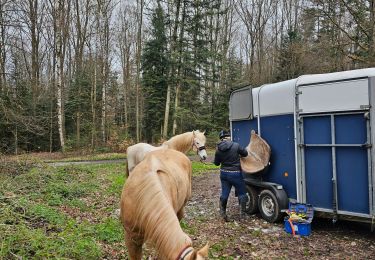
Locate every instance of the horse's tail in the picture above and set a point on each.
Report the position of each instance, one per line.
(127, 168)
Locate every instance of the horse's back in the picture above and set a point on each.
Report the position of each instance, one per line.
(165, 175)
(159, 163)
(170, 160)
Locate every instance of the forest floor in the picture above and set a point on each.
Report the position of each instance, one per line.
(70, 212)
(253, 238)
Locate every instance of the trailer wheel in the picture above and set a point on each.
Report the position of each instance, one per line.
(269, 206)
(252, 200)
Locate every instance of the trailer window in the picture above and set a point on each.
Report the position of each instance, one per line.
(241, 104)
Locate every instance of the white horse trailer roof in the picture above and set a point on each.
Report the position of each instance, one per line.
(340, 91)
(272, 99)
(336, 76)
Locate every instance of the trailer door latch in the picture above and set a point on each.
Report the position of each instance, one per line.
(367, 145)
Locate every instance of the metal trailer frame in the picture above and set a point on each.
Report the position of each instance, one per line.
(300, 146)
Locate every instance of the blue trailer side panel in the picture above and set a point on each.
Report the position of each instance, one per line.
(241, 131)
(352, 164)
(278, 131)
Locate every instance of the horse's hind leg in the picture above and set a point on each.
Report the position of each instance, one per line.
(134, 244)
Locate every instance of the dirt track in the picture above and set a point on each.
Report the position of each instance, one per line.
(254, 238)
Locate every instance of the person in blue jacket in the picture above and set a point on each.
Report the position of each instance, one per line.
(228, 155)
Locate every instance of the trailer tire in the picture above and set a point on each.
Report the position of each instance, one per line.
(269, 206)
(252, 200)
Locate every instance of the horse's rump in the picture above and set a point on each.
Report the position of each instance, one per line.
(135, 153)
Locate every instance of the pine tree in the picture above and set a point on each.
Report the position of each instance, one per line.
(155, 66)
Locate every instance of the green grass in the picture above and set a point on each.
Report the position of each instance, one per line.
(63, 157)
(199, 167)
(191, 230)
(217, 250)
(63, 212)
(108, 230)
(209, 151)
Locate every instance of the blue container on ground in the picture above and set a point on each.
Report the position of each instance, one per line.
(302, 227)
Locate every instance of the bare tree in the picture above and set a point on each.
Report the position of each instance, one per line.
(140, 4)
(3, 39)
(179, 68)
(62, 16)
(126, 38)
(173, 79)
(79, 36)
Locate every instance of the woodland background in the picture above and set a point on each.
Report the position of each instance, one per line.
(93, 74)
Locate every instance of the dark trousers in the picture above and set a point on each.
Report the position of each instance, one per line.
(229, 179)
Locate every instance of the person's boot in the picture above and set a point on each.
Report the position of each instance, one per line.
(243, 213)
(223, 209)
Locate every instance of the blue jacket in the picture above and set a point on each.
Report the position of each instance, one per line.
(228, 154)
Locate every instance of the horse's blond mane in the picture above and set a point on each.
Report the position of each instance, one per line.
(161, 226)
(184, 142)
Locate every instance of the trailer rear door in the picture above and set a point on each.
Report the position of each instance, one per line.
(334, 146)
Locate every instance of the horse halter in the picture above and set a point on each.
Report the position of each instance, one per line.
(185, 252)
(199, 148)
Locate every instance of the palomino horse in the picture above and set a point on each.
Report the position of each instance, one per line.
(183, 143)
(152, 203)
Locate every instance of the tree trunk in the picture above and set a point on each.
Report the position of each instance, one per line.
(80, 44)
(176, 105)
(166, 112)
(16, 140)
(372, 33)
(138, 61)
(124, 62)
(126, 89)
(178, 86)
(33, 12)
(93, 106)
(172, 71)
(60, 72)
(2, 50)
(52, 71)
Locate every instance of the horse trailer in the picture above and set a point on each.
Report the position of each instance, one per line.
(320, 129)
